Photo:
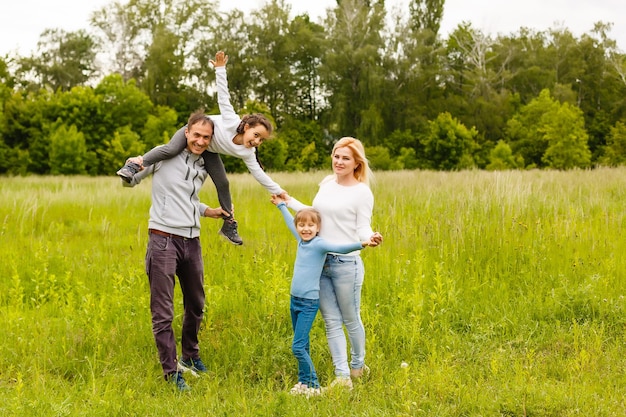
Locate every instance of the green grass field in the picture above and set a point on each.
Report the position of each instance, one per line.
(503, 292)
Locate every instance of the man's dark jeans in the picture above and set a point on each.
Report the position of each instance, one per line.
(167, 257)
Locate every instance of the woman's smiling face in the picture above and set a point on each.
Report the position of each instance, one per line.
(343, 162)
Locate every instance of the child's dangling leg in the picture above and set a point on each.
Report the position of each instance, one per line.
(215, 167)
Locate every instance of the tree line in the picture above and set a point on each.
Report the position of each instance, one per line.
(86, 100)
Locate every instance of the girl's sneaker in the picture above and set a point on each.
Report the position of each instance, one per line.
(304, 389)
(127, 172)
(299, 389)
(229, 231)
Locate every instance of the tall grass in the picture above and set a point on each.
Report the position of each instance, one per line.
(502, 292)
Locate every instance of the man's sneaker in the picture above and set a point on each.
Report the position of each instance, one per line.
(178, 381)
(229, 231)
(128, 171)
(342, 382)
(192, 365)
(358, 373)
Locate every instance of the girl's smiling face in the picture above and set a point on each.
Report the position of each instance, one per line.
(307, 229)
(254, 136)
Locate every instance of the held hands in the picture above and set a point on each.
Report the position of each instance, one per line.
(220, 59)
(277, 199)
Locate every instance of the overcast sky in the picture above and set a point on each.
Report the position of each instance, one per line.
(22, 21)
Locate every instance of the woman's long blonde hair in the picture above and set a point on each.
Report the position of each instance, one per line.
(362, 172)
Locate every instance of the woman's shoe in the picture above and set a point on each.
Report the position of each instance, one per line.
(358, 373)
(342, 382)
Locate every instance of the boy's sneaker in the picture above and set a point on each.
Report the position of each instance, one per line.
(178, 381)
(193, 365)
(128, 171)
(229, 231)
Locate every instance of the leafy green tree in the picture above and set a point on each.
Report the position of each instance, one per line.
(273, 154)
(408, 159)
(271, 70)
(525, 132)
(421, 52)
(567, 139)
(501, 158)
(615, 152)
(426, 14)
(5, 95)
(477, 72)
(5, 156)
(7, 80)
(308, 158)
(400, 141)
(412, 92)
(68, 151)
(380, 159)
(152, 40)
(160, 127)
(233, 39)
(121, 38)
(81, 107)
(449, 145)
(299, 135)
(598, 92)
(307, 45)
(63, 60)
(548, 133)
(123, 103)
(25, 117)
(163, 68)
(352, 68)
(19, 162)
(520, 58)
(125, 143)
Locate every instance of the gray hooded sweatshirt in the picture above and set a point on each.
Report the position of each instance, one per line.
(176, 207)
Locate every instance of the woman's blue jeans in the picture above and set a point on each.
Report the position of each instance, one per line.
(340, 304)
(303, 312)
